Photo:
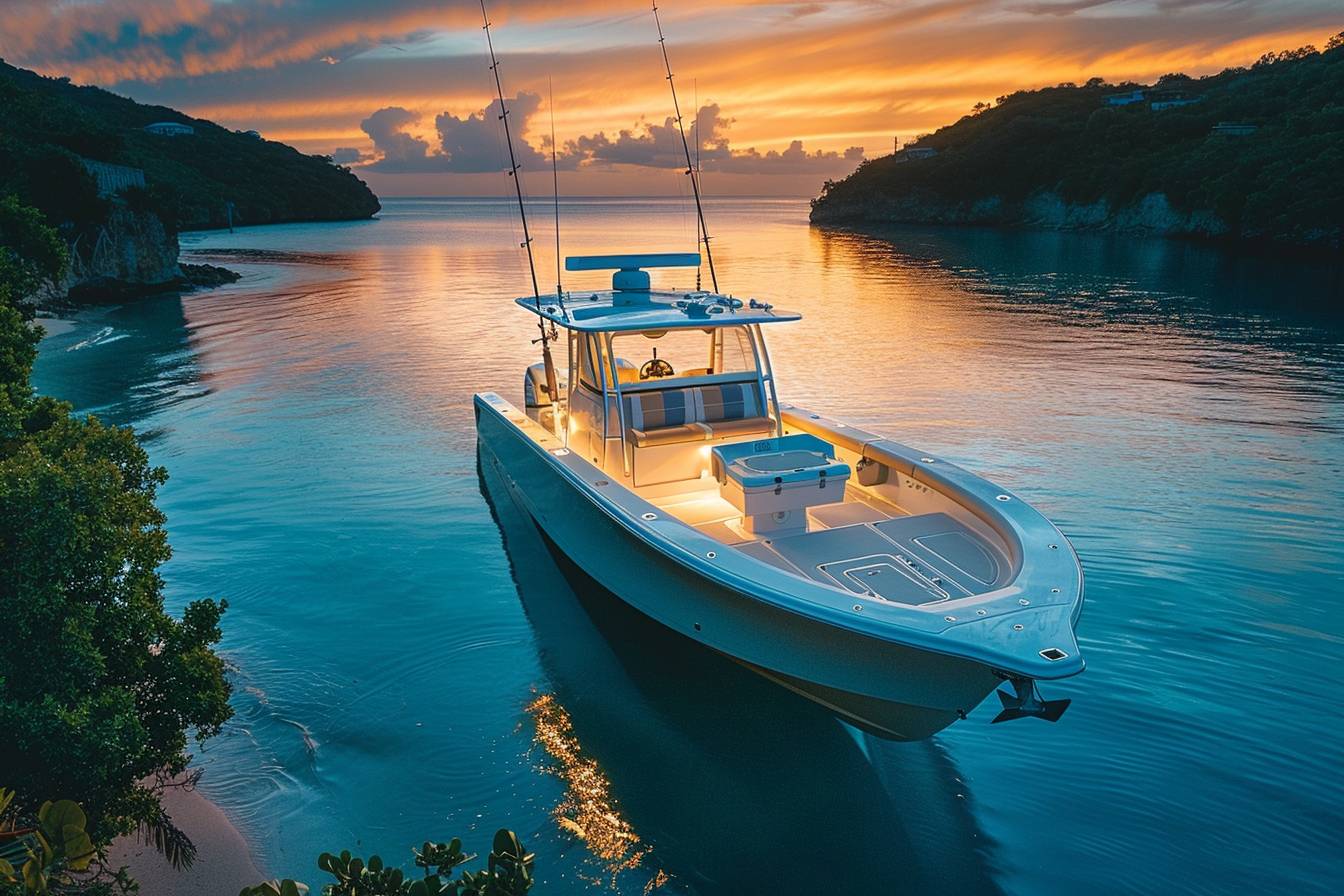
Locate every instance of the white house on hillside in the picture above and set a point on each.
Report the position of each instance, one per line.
(170, 129)
(916, 152)
(1172, 101)
(1124, 99)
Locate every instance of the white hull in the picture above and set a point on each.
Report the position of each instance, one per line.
(891, 689)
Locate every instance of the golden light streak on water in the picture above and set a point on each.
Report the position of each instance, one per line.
(587, 810)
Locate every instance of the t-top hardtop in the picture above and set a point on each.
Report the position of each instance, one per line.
(632, 304)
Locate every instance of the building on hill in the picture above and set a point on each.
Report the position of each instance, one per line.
(1233, 129)
(1160, 101)
(170, 129)
(911, 153)
(113, 178)
(1124, 99)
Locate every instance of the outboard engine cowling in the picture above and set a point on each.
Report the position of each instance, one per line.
(534, 387)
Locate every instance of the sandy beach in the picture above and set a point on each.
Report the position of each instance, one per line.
(223, 863)
(54, 326)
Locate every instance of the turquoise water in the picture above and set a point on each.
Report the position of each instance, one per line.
(1178, 411)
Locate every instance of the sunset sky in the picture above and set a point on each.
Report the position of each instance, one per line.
(789, 93)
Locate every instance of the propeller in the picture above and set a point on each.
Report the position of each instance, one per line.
(1026, 701)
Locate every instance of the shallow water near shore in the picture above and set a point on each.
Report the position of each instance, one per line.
(412, 663)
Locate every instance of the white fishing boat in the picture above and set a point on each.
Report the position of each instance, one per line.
(882, 582)
(890, 585)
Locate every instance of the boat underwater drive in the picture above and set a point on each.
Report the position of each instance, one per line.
(886, 584)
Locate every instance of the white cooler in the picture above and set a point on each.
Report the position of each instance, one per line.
(774, 481)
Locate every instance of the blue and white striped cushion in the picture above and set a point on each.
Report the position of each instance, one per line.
(704, 404)
(730, 401)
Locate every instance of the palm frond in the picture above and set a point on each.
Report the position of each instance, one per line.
(170, 840)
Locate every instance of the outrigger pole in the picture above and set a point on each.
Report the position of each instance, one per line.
(552, 387)
(686, 146)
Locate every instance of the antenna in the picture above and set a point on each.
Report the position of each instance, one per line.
(686, 147)
(552, 388)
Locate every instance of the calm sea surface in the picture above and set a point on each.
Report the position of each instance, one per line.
(410, 664)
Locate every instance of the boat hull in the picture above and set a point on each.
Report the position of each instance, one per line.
(889, 689)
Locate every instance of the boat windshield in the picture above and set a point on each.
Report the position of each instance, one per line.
(653, 355)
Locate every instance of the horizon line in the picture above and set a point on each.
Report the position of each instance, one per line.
(549, 199)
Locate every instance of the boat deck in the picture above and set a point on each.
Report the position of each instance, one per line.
(863, 545)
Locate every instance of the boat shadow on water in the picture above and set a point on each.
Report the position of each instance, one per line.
(731, 783)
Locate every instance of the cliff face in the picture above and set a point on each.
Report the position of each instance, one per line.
(130, 253)
(1152, 214)
(132, 247)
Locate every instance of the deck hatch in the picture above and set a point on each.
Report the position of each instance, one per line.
(890, 578)
(917, 575)
(949, 545)
(964, 553)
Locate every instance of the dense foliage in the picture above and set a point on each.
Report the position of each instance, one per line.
(508, 872)
(52, 855)
(1281, 183)
(98, 684)
(48, 124)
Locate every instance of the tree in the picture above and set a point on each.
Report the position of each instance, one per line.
(29, 253)
(508, 872)
(98, 684)
(49, 855)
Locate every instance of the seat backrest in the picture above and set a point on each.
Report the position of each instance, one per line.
(730, 401)
(661, 407)
(655, 408)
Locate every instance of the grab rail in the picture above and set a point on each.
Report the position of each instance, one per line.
(764, 356)
(620, 405)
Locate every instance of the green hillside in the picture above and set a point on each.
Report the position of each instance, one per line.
(47, 124)
(1277, 179)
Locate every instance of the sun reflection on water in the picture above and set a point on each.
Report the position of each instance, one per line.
(588, 810)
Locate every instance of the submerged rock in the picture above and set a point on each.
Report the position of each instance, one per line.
(206, 275)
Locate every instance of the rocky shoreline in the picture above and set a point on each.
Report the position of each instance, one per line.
(132, 254)
(1151, 216)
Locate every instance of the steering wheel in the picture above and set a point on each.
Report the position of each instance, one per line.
(655, 367)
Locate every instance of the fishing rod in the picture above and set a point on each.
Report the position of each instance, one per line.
(552, 388)
(686, 147)
(555, 183)
(695, 126)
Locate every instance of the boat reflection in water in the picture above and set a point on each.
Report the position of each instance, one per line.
(707, 773)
